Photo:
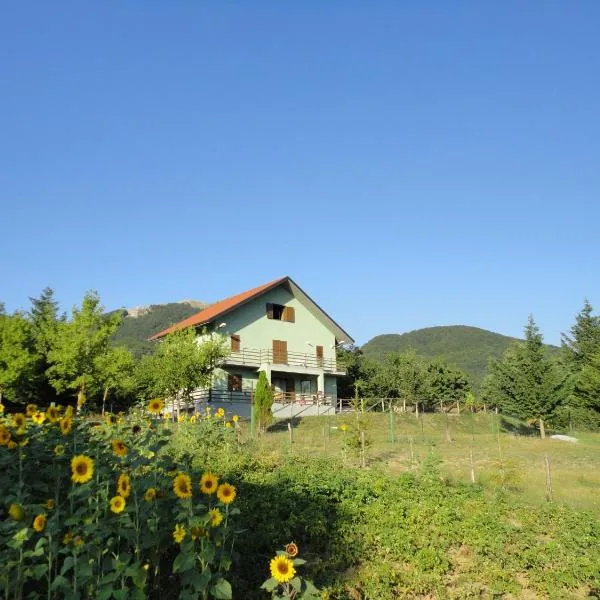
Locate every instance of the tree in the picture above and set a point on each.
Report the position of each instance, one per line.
(403, 375)
(584, 340)
(18, 358)
(181, 364)
(116, 369)
(525, 382)
(77, 346)
(44, 318)
(263, 402)
(447, 383)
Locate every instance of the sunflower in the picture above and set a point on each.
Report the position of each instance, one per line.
(220, 413)
(282, 569)
(179, 533)
(182, 486)
(216, 516)
(65, 425)
(50, 504)
(19, 421)
(1, 408)
(193, 419)
(38, 417)
(52, 414)
(208, 483)
(228, 424)
(343, 427)
(119, 447)
(11, 445)
(136, 429)
(197, 532)
(124, 485)
(69, 411)
(59, 450)
(226, 493)
(15, 512)
(117, 504)
(39, 523)
(235, 418)
(156, 406)
(67, 537)
(4, 435)
(110, 419)
(291, 550)
(150, 494)
(30, 410)
(81, 398)
(82, 467)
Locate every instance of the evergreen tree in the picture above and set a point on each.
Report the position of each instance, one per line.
(263, 402)
(525, 382)
(584, 340)
(447, 383)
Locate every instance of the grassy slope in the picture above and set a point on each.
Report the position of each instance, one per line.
(469, 348)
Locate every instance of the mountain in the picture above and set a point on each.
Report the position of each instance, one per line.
(469, 348)
(141, 322)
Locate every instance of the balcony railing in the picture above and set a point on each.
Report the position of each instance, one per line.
(219, 395)
(253, 357)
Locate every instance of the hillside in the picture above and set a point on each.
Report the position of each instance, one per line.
(135, 330)
(469, 348)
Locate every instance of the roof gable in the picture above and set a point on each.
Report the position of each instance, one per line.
(221, 308)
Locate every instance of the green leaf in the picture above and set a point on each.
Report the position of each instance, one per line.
(270, 584)
(296, 583)
(222, 590)
(183, 562)
(299, 561)
(67, 565)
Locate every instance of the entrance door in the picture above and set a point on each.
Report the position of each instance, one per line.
(280, 355)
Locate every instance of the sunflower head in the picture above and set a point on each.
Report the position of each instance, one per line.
(150, 494)
(82, 468)
(117, 504)
(208, 483)
(69, 411)
(124, 485)
(216, 516)
(4, 435)
(11, 445)
(156, 406)
(291, 549)
(59, 450)
(179, 533)
(197, 532)
(182, 486)
(226, 493)
(51, 504)
(30, 410)
(38, 417)
(136, 429)
(119, 448)
(19, 421)
(1, 408)
(52, 414)
(343, 427)
(282, 569)
(15, 512)
(65, 425)
(39, 523)
(235, 418)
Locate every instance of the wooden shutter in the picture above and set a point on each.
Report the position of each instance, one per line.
(319, 355)
(235, 343)
(289, 314)
(269, 310)
(280, 352)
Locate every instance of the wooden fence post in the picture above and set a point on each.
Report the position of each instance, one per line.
(472, 465)
(362, 443)
(290, 429)
(548, 479)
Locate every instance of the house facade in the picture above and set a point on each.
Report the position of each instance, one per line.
(276, 328)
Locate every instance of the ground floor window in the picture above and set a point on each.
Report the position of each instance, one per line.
(234, 383)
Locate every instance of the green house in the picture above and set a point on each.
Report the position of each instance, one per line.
(279, 329)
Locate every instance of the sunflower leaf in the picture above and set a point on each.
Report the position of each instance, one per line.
(270, 584)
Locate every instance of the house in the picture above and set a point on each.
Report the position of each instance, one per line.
(276, 328)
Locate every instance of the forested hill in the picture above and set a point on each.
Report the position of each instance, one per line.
(135, 331)
(469, 348)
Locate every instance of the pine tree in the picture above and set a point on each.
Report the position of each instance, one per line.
(584, 340)
(525, 382)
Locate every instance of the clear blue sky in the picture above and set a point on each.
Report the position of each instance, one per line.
(408, 163)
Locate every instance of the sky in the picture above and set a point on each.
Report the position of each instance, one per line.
(408, 164)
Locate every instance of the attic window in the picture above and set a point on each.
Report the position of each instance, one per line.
(279, 312)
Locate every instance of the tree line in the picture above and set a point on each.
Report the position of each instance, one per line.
(47, 358)
(560, 388)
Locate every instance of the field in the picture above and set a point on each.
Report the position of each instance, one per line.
(506, 453)
(125, 507)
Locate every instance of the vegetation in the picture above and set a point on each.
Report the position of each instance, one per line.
(263, 402)
(468, 348)
(133, 332)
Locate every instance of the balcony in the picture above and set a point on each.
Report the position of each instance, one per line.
(253, 357)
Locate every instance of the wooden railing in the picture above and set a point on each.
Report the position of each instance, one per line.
(253, 357)
(219, 395)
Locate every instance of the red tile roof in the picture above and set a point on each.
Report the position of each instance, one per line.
(214, 311)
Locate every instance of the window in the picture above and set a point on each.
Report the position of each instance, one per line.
(279, 312)
(235, 343)
(234, 383)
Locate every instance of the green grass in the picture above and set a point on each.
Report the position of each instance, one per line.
(512, 460)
